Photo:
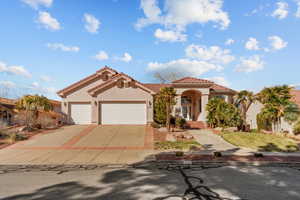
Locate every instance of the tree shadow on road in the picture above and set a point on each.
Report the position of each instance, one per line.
(151, 182)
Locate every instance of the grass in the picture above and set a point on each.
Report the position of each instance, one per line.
(178, 145)
(261, 141)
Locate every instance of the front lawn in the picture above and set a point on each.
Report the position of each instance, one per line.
(178, 145)
(261, 141)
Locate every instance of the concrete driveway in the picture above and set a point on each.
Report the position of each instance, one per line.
(83, 144)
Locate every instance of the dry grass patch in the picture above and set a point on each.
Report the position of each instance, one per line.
(178, 145)
(261, 141)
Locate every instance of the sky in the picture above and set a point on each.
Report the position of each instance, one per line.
(46, 45)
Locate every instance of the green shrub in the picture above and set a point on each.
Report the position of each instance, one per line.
(222, 114)
(263, 123)
(297, 128)
(180, 122)
(173, 121)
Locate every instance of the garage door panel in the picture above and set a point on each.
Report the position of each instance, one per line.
(81, 113)
(123, 113)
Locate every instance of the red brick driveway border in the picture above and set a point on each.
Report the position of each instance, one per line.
(69, 145)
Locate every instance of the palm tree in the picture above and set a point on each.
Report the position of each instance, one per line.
(167, 95)
(32, 105)
(278, 105)
(243, 101)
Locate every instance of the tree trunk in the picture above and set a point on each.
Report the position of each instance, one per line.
(168, 116)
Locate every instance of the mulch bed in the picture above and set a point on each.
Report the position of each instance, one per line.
(193, 157)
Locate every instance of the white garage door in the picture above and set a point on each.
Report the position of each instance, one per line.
(123, 113)
(81, 113)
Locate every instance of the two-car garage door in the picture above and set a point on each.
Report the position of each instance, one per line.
(111, 113)
(123, 113)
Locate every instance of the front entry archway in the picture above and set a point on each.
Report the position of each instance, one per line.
(191, 105)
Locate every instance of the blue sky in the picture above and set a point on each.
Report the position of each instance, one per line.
(48, 44)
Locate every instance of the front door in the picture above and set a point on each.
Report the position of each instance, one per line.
(187, 112)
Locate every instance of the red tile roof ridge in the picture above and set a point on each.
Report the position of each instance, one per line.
(192, 80)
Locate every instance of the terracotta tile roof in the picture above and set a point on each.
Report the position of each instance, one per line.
(7, 101)
(296, 96)
(155, 87)
(218, 87)
(192, 80)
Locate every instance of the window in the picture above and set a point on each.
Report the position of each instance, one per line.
(220, 96)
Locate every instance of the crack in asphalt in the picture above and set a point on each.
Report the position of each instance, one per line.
(196, 190)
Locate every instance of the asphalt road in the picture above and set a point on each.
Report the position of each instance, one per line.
(253, 183)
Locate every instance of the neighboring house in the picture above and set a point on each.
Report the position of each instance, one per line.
(7, 111)
(110, 97)
(256, 107)
(9, 114)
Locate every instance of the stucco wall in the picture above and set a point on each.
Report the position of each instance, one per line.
(81, 95)
(254, 109)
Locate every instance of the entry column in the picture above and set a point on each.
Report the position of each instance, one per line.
(204, 101)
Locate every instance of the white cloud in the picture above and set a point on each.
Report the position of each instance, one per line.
(229, 42)
(126, 57)
(277, 43)
(212, 54)
(7, 84)
(252, 44)
(169, 36)
(46, 78)
(14, 70)
(297, 14)
(91, 23)
(48, 22)
(62, 47)
(35, 84)
(281, 11)
(185, 67)
(179, 14)
(101, 55)
(251, 64)
(220, 80)
(36, 3)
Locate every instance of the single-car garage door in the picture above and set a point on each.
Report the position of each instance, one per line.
(81, 113)
(123, 113)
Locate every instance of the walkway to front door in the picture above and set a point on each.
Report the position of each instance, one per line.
(83, 144)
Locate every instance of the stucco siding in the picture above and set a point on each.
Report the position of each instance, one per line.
(82, 94)
(255, 109)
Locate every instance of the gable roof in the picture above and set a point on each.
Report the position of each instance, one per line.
(115, 78)
(149, 87)
(85, 80)
(192, 80)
